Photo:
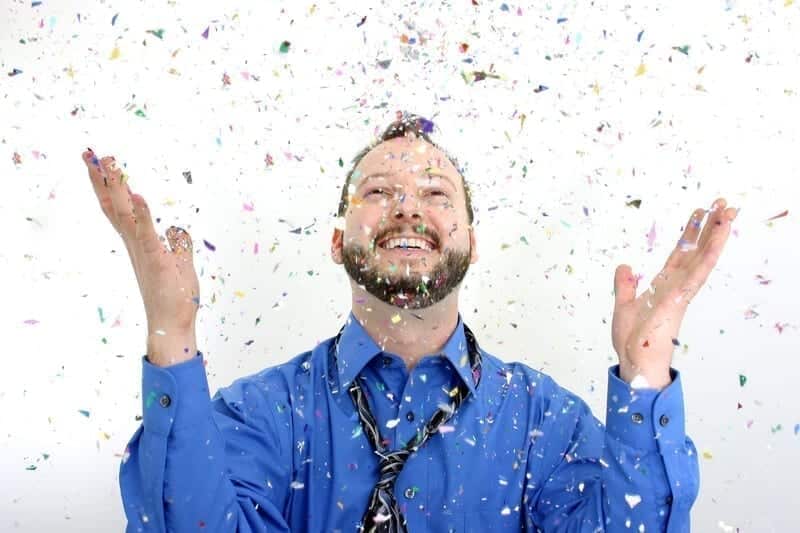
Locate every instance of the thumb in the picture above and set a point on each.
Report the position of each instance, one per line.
(624, 285)
(180, 242)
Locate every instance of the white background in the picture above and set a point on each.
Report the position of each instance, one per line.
(690, 128)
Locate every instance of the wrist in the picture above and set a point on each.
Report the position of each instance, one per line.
(640, 377)
(170, 349)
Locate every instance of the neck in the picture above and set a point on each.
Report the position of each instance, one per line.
(418, 333)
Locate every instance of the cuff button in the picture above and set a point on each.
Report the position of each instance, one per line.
(165, 400)
(637, 418)
(664, 420)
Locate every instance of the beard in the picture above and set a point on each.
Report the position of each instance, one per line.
(408, 291)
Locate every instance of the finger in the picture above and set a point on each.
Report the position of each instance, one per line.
(179, 241)
(120, 197)
(688, 241)
(714, 216)
(97, 177)
(709, 253)
(144, 234)
(624, 285)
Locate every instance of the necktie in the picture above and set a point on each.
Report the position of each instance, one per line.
(382, 514)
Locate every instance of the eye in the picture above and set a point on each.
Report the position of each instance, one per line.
(375, 190)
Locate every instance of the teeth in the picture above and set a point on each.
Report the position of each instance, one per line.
(407, 243)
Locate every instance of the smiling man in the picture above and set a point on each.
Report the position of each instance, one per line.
(409, 240)
(401, 421)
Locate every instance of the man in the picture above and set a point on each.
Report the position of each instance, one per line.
(401, 422)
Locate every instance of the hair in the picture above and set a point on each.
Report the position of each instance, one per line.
(405, 123)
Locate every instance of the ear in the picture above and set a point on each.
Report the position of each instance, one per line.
(336, 246)
(473, 246)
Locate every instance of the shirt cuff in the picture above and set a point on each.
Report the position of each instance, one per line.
(646, 419)
(174, 397)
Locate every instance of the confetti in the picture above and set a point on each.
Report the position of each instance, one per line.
(651, 237)
(779, 215)
(633, 500)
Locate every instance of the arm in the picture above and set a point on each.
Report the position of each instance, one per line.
(200, 464)
(639, 473)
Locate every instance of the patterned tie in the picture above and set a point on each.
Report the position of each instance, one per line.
(382, 514)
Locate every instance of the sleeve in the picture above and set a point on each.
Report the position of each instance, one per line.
(639, 473)
(200, 464)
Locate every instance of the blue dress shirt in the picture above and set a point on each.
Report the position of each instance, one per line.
(283, 450)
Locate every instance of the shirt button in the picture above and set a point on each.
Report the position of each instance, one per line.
(637, 418)
(165, 400)
(668, 500)
(664, 420)
(387, 361)
(410, 416)
(410, 493)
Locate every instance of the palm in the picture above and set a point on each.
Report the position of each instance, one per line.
(643, 327)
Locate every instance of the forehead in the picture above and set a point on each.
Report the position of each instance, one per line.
(404, 155)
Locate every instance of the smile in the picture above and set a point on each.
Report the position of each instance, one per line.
(413, 245)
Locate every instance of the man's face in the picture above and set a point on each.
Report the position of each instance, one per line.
(406, 187)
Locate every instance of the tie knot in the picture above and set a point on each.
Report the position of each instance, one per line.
(390, 466)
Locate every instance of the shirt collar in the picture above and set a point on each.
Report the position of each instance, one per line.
(357, 348)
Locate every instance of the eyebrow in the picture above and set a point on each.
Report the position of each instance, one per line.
(385, 174)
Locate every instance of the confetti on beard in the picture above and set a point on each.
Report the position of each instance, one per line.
(413, 290)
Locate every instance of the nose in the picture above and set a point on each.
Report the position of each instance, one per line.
(405, 205)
